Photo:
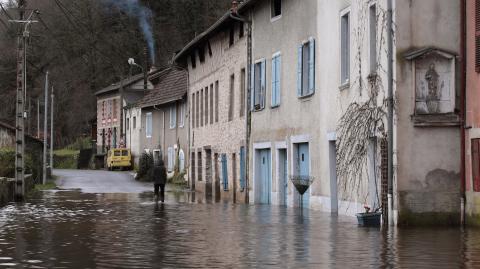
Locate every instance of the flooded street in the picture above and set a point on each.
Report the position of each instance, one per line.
(76, 228)
(69, 229)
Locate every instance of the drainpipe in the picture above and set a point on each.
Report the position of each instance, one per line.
(234, 15)
(463, 94)
(390, 111)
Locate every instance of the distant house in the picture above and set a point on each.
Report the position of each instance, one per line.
(110, 103)
(217, 62)
(157, 123)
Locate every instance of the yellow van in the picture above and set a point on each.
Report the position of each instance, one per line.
(119, 158)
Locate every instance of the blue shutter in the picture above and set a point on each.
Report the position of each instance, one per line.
(252, 87)
(224, 172)
(311, 66)
(278, 77)
(242, 168)
(263, 84)
(274, 81)
(299, 71)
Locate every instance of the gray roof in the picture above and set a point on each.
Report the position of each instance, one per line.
(172, 86)
(127, 82)
(212, 30)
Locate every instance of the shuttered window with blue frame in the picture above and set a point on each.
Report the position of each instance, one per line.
(306, 68)
(258, 85)
(276, 74)
(224, 172)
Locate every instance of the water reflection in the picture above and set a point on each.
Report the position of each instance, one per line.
(74, 230)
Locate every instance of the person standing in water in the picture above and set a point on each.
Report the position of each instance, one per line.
(159, 180)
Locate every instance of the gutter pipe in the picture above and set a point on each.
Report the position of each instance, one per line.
(463, 94)
(390, 111)
(248, 118)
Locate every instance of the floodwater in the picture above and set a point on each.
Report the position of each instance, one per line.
(68, 229)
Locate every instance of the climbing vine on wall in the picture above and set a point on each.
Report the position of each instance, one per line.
(365, 116)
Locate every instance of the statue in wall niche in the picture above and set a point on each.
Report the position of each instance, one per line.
(433, 94)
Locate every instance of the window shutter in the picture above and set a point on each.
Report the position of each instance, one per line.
(252, 86)
(242, 168)
(278, 70)
(477, 36)
(224, 172)
(311, 66)
(274, 81)
(263, 84)
(299, 70)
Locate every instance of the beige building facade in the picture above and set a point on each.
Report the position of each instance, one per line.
(217, 62)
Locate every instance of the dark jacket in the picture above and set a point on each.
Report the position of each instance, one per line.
(160, 174)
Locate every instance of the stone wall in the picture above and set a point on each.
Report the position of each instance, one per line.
(7, 188)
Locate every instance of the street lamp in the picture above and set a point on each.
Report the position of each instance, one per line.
(132, 63)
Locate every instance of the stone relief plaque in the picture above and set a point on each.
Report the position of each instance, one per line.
(434, 91)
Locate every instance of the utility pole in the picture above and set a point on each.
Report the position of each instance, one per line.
(38, 117)
(45, 131)
(51, 131)
(20, 108)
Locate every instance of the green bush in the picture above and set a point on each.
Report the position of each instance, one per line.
(65, 161)
(7, 163)
(33, 164)
(145, 168)
(80, 143)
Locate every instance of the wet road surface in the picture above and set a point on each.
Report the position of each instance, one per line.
(98, 181)
(71, 229)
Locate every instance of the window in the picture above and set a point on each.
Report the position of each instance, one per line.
(306, 68)
(181, 122)
(231, 97)
(173, 116)
(193, 110)
(276, 8)
(209, 49)
(258, 85)
(373, 39)
(242, 92)
(206, 105)
(276, 73)
(193, 60)
(241, 30)
(197, 110)
(231, 40)
(211, 103)
(201, 107)
(345, 48)
(148, 124)
(216, 100)
(181, 161)
(134, 123)
(201, 54)
(476, 164)
(128, 123)
(170, 161)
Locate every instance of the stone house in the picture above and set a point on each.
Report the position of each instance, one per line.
(319, 106)
(217, 62)
(110, 104)
(162, 124)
